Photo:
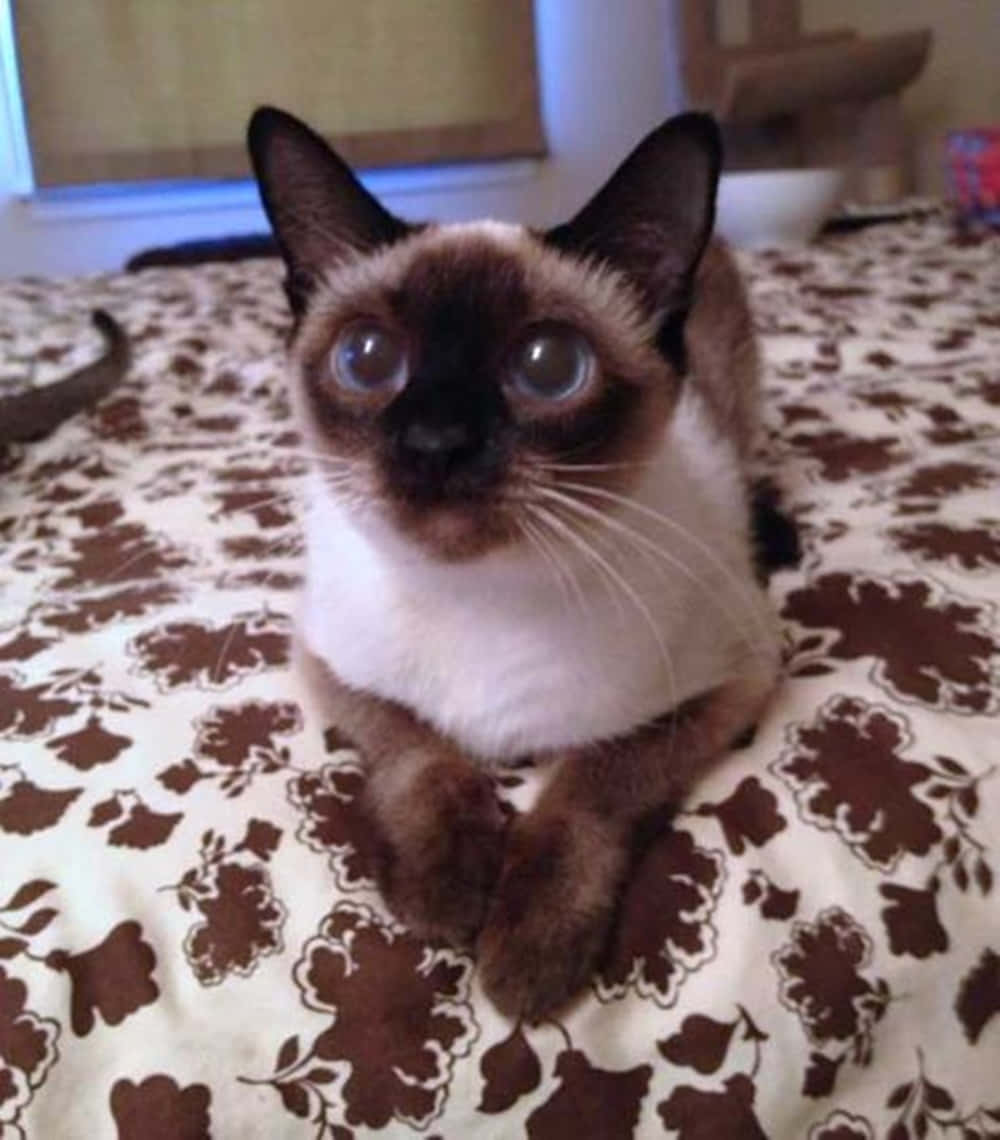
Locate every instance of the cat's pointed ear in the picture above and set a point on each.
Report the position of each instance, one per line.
(319, 211)
(653, 216)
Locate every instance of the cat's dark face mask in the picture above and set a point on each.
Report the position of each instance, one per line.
(448, 372)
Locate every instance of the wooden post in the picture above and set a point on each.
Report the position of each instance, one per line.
(775, 23)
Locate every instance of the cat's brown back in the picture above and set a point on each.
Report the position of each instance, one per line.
(721, 347)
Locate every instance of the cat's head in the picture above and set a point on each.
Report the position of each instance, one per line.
(452, 376)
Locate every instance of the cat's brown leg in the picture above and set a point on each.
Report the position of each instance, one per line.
(439, 835)
(565, 862)
(437, 830)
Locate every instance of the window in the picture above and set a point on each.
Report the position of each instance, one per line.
(134, 90)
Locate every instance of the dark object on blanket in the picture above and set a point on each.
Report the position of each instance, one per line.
(31, 414)
(238, 247)
(775, 534)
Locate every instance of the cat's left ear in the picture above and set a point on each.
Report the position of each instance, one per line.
(654, 215)
(319, 211)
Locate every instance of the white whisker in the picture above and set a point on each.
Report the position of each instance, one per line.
(571, 468)
(622, 584)
(651, 549)
(576, 540)
(224, 650)
(739, 588)
(564, 571)
(293, 495)
(528, 531)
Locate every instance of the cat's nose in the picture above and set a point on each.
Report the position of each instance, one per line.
(426, 438)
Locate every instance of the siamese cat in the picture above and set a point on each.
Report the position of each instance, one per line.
(528, 532)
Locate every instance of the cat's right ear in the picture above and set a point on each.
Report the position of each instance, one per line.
(319, 211)
(654, 215)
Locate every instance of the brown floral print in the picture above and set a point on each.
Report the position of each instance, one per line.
(158, 1109)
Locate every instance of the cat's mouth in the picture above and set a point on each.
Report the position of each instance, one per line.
(451, 527)
(455, 533)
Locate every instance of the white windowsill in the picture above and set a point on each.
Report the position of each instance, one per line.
(70, 205)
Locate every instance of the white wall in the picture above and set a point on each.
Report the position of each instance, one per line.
(608, 74)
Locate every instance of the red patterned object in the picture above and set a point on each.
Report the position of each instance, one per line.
(974, 172)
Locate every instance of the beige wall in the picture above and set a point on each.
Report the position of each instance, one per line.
(961, 84)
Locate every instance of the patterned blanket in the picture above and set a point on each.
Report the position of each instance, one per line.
(190, 944)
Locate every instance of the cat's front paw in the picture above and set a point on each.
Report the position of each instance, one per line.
(550, 916)
(438, 845)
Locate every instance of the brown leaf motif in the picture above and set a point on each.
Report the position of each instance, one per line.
(197, 653)
(89, 746)
(157, 1108)
(842, 456)
(86, 612)
(99, 514)
(665, 930)
(848, 773)
(821, 1074)
(775, 903)
(242, 918)
(114, 979)
(841, 1125)
(261, 839)
(400, 1013)
(935, 482)
(120, 419)
(822, 982)
(929, 645)
(140, 827)
(126, 552)
(230, 736)
(332, 824)
(266, 505)
(911, 920)
(259, 547)
(182, 777)
(510, 1070)
(29, 710)
(749, 816)
(922, 1104)
(23, 645)
(27, 1051)
(28, 893)
(978, 1000)
(36, 922)
(697, 1114)
(820, 976)
(968, 549)
(234, 743)
(701, 1043)
(26, 808)
(590, 1103)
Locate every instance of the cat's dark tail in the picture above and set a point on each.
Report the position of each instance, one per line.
(29, 415)
(775, 534)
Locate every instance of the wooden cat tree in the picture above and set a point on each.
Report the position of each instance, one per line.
(787, 99)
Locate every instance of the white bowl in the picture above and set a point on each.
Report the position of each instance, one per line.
(776, 207)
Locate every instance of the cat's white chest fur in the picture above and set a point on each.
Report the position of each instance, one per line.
(507, 659)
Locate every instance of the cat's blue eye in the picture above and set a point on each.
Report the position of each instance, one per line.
(553, 364)
(368, 357)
